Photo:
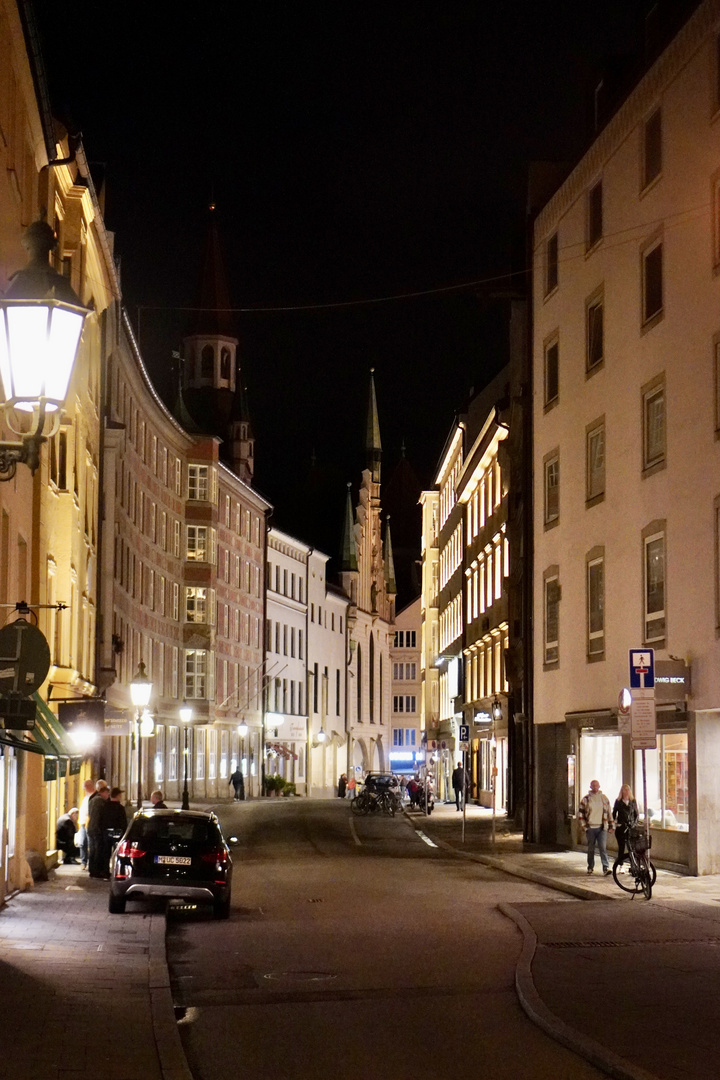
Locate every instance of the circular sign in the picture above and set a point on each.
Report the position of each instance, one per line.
(24, 658)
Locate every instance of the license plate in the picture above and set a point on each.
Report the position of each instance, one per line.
(173, 860)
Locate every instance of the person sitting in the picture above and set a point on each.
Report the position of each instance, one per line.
(65, 835)
(156, 798)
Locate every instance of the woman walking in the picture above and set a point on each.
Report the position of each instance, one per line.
(625, 812)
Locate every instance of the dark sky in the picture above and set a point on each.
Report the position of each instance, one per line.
(354, 152)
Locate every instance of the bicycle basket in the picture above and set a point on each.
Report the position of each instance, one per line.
(639, 840)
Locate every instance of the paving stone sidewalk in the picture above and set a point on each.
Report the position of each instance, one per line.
(84, 991)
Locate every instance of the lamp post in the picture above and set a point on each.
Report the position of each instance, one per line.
(496, 715)
(140, 691)
(186, 716)
(41, 320)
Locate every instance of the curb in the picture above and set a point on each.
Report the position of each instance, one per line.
(173, 1063)
(534, 1007)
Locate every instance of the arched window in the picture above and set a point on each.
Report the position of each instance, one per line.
(359, 683)
(371, 679)
(225, 364)
(207, 362)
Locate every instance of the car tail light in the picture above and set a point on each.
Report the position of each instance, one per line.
(126, 850)
(219, 857)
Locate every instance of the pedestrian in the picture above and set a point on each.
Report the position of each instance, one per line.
(342, 786)
(352, 786)
(65, 835)
(413, 789)
(114, 819)
(625, 813)
(596, 820)
(156, 798)
(98, 856)
(83, 815)
(459, 783)
(238, 782)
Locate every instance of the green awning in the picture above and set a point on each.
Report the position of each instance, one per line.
(49, 733)
(7, 738)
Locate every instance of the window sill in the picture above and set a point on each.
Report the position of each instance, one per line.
(651, 184)
(590, 249)
(595, 658)
(552, 666)
(551, 292)
(548, 525)
(650, 470)
(651, 323)
(590, 371)
(595, 500)
(550, 405)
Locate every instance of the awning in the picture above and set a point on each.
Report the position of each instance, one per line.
(48, 733)
(7, 738)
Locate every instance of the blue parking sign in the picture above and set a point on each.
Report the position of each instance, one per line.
(464, 732)
(642, 669)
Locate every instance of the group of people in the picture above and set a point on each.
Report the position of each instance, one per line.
(597, 819)
(86, 834)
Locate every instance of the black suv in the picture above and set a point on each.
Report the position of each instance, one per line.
(177, 854)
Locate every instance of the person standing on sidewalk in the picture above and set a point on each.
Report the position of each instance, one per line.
(459, 783)
(83, 817)
(238, 782)
(625, 812)
(96, 832)
(596, 820)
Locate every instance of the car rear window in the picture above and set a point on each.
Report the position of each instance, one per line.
(182, 830)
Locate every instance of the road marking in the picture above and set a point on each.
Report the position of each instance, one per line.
(353, 830)
(427, 839)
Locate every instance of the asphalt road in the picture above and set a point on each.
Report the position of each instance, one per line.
(356, 946)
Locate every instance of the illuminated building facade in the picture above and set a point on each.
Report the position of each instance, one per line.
(626, 358)
(407, 751)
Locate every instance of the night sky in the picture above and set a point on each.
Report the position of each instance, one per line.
(354, 152)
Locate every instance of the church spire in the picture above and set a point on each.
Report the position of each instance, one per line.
(373, 445)
(348, 548)
(390, 585)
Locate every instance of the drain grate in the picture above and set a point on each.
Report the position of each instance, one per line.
(627, 944)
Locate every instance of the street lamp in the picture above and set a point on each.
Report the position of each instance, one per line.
(186, 714)
(140, 691)
(41, 320)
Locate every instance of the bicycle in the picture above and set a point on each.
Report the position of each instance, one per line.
(369, 802)
(641, 874)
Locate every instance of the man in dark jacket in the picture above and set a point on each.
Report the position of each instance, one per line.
(65, 835)
(156, 798)
(238, 782)
(459, 783)
(99, 854)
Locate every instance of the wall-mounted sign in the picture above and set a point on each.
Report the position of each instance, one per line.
(672, 680)
(87, 714)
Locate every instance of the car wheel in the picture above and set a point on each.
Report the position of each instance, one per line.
(221, 908)
(116, 904)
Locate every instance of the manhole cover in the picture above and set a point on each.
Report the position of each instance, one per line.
(300, 976)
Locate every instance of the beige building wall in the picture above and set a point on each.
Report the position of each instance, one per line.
(626, 443)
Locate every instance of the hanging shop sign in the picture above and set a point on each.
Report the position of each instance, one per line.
(86, 714)
(672, 681)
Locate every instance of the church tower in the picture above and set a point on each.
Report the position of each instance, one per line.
(212, 389)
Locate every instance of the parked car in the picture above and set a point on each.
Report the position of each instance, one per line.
(177, 854)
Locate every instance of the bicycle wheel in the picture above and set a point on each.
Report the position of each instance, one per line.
(644, 878)
(389, 805)
(626, 881)
(359, 804)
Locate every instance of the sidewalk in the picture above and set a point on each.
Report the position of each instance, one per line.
(630, 985)
(84, 992)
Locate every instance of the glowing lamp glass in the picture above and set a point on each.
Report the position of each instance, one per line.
(38, 345)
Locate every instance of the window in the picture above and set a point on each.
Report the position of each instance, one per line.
(668, 788)
(195, 604)
(176, 601)
(596, 605)
(653, 404)
(199, 753)
(652, 148)
(716, 513)
(178, 476)
(716, 221)
(594, 345)
(172, 758)
(652, 293)
(551, 587)
(552, 488)
(595, 451)
(654, 573)
(594, 215)
(197, 543)
(176, 539)
(198, 482)
(195, 673)
(552, 372)
(551, 264)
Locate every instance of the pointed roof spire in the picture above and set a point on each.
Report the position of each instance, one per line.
(181, 412)
(240, 410)
(213, 295)
(348, 550)
(373, 445)
(390, 583)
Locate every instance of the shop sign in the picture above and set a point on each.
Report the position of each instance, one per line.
(116, 727)
(672, 680)
(295, 732)
(89, 715)
(50, 769)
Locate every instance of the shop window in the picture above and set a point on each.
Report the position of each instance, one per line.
(668, 790)
(601, 759)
